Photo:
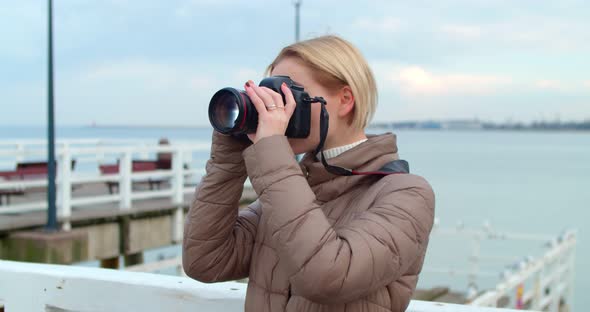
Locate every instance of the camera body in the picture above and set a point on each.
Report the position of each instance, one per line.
(231, 111)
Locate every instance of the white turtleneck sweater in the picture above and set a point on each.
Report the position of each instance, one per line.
(333, 152)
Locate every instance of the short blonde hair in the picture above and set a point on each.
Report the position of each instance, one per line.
(337, 63)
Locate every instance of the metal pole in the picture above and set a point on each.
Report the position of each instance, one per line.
(297, 6)
(51, 208)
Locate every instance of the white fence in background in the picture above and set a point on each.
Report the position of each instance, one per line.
(26, 148)
(95, 152)
(545, 283)
(43, 287)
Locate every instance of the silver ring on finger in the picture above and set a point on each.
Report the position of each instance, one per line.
(271, 107)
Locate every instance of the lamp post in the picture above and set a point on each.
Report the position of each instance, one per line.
(297, 4)
(51, 208)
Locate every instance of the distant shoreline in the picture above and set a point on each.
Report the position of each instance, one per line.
(143, 127)
(486, 129)
(483, 129)
(477, 125)
(377, 126)
(370, 127)
(440, 125)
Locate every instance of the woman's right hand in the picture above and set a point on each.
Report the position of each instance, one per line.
(273, 113)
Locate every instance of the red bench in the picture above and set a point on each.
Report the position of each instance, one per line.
(136, 166)
(9, 175)
(25, 171)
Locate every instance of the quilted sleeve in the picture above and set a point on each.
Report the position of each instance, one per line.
(218, 236)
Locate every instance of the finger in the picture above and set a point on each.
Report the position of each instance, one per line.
(276, 97)
(290, 104)
(266, 98)
(252, 137)
(256, 100)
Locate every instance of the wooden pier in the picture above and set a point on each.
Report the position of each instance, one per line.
(115, 197)
(101, 232)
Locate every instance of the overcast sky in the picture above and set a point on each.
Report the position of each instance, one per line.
(158, 62)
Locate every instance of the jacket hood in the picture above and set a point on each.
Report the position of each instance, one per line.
(370, 155)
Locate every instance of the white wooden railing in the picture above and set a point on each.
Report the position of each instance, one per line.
(96, 152)
(43, 287)
(25, 148)
(544, 282)
(543, 275)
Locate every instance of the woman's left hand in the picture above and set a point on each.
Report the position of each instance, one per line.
(273, 113)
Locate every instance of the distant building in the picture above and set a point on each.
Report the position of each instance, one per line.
(472, 124)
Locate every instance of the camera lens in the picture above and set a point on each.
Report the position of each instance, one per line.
(224, 110)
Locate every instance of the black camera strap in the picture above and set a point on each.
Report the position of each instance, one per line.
(394, 167)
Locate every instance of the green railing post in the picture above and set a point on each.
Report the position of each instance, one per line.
(51, 208)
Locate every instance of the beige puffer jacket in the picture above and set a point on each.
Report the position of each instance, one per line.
(312, 241)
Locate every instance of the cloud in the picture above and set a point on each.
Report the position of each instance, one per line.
(462, 31)
(570, 87)
(241, 75)
(137, 91)
(538, 34)
(547, 84)
(147, 91)
(188, 8)
(150, 74)
(164, 58)
(554, 35)
(21, 30)
(415, 80)
(386, 24)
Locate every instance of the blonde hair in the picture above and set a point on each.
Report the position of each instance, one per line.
(337, 63)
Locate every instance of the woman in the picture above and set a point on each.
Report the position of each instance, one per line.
(313, 241)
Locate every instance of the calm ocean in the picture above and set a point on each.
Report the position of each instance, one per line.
(530, 182)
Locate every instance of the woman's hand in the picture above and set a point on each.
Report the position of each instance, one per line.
(273, 114)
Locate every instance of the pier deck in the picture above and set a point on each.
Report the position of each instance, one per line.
(27, 220)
